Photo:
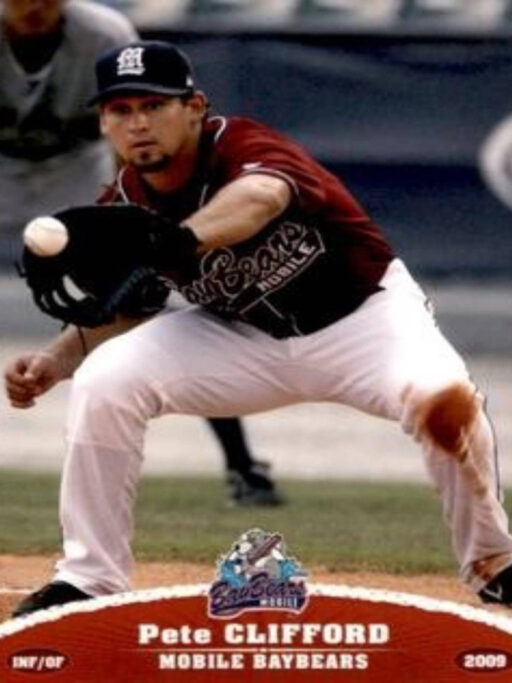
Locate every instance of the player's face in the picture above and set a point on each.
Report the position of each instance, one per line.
(151, 131)
(26, 18)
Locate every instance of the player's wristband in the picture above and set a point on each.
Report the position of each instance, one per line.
(189, 242)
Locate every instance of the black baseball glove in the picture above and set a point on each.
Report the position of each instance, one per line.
(119, 258)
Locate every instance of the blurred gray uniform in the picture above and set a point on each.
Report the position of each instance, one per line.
(496, 161)
(50, 151)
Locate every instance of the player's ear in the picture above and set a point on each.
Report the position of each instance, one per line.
(198, 104)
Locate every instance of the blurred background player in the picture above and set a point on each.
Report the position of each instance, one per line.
(51, 154)
(47, 134)
(249, 481)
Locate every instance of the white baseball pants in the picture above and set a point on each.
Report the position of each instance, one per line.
(388, 359)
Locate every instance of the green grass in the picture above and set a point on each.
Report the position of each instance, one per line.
(348, 526)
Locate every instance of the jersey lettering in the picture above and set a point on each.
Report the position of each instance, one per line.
(243, 280)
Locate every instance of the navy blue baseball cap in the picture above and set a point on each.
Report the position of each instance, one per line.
(151, 66)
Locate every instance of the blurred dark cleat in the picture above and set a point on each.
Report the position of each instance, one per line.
(55, 593)
(499, 589)
(253, 487)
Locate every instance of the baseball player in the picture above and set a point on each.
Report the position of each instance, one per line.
(298, 297)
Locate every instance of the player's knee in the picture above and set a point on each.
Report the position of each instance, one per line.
(447, 417)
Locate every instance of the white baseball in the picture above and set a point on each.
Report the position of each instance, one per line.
(45, 236)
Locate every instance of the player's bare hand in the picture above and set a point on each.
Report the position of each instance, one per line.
(30, 375)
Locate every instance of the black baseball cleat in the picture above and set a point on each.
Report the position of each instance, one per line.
(55, 593)
(253, 487)
(499, 589)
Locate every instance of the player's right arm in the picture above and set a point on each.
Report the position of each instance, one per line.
(239, 210)
(33, 373)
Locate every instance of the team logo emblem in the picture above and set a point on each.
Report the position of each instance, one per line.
(257, 573)
(130, 62)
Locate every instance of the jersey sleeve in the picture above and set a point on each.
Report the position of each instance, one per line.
(247, 147)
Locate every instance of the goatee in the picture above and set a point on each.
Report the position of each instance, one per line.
(153, 166)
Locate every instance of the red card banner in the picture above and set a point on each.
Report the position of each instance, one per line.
(342, 634)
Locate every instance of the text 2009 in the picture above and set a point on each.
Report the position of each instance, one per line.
(484, 660)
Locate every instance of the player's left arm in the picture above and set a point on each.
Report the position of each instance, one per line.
(239, 210)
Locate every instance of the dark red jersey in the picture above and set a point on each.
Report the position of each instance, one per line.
(314, 264)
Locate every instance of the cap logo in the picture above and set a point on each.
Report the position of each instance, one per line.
(130, 62)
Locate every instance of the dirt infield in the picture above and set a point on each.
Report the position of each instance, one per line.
(20, 574)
